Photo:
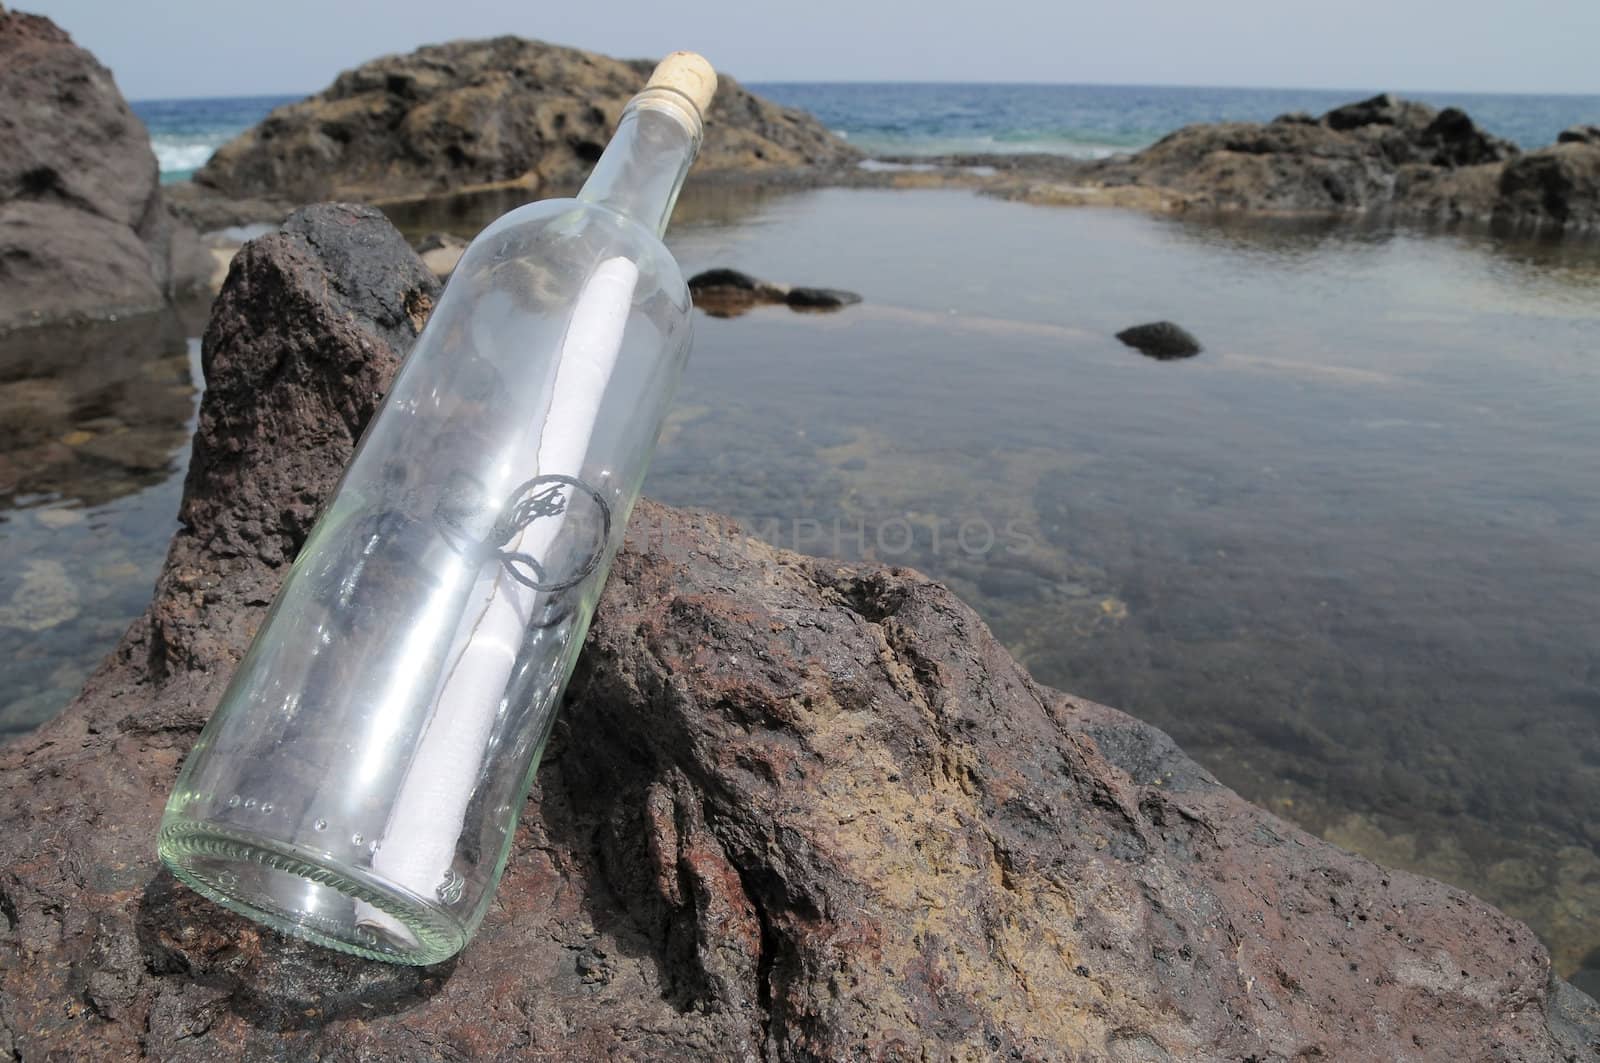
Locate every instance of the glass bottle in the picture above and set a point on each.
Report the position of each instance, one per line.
(359, 783)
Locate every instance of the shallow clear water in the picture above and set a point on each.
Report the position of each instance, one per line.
(94, 442)
(1346, 555)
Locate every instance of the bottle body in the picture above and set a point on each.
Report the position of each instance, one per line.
(360, 781)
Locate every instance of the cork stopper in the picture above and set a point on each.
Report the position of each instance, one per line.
(689, 74)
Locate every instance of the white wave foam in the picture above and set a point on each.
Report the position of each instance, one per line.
(183, 154)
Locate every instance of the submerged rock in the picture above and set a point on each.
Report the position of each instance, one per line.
(820, 298)
(441, 252)
(729, 279)
(795, 809)
(482, 113)
(84, 230)
(724, 292)
(45, 597)
(1162, 340)
(92, 412)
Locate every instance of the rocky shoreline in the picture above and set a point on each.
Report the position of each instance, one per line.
(1383, 156)
(85, 232)
(440, 123)
(796, 809)
(472, 115)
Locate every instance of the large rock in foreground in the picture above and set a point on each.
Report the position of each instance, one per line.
(470, 114)
(797, 809)
(83, 229)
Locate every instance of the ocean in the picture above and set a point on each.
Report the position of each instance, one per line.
(184, 133)
(935, 119)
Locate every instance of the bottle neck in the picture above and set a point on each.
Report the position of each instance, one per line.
(643, 167)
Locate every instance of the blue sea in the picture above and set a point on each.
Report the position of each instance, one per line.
(935, 119)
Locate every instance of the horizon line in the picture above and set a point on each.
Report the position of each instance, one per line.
(846, 82)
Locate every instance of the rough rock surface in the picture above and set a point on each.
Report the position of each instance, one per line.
(1558, 185)
(84, 231)
(1351, 159)
(469, 114)
(797, 809)
(1383, 155)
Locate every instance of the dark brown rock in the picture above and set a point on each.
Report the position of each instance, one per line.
(723, 278)
(1453, 139)
(1406, 131)
(1349, 161)
(1161, 340)
(1385, 109)
(796, 809)
(1278, 166)
(724, 292)
(1555, 187)
(1579, 134)
(1380, 156)
(84, 231)
(473, 114)
(803, 298)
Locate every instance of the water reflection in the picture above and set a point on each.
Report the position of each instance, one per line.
(90, 414)
(1346, 557)
(94, 438)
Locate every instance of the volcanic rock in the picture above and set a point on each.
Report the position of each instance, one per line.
(484, 113)
(1555, 187)
(84, 231)
(1161, 340)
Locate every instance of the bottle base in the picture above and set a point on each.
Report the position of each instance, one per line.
(304, 894)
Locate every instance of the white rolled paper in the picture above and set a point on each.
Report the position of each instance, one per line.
(425, 825)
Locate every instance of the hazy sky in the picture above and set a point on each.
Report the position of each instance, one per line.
(226, 47)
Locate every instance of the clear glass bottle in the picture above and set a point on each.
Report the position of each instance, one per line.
(359, 783)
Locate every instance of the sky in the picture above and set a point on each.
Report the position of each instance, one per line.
(179, 48)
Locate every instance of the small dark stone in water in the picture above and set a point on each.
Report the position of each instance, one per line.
(725, 278)
(726, 292)
(820, 298)
(1161, 339)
